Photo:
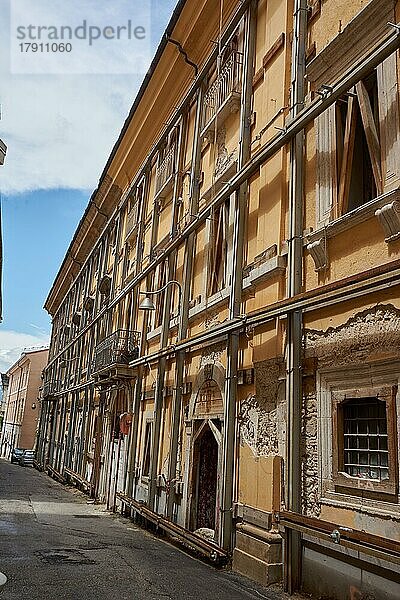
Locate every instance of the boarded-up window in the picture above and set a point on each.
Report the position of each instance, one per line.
(357, 142)
(218, 249)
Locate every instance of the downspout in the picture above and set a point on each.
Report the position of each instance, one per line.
(137, 393)
(14, 424)
(184, 309)
(235, 300)
(165, 330)
(294, 323)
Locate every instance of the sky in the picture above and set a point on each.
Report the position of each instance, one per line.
(60, 120)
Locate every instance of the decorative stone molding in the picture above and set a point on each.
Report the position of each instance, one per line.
(319, 253)
(389, 219)
(212, 354)
(366, 30)
(355, 217)
(105, 285)
(211, 320)
(342, 356)
(224, 158)
(310, 456)
(267, 375)
(258, 428)
(375, 330)
(261, 417)
(208, 371)
(339, 380)
(256, 274)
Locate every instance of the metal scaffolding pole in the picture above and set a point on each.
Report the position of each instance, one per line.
(304, 117)
(184, 309)
(235, 300)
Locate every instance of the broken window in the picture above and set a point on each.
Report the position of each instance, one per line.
(358, 152)
(357, 140)
(218, 249)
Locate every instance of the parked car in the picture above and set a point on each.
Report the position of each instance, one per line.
(16, 455)
(27, 458)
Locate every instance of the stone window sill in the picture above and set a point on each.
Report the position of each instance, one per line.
(385, 208)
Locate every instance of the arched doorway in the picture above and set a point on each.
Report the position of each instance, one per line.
(207, 451)
(207, 422)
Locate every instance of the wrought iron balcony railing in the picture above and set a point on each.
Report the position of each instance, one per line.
(119, 348)
(226, 88)
(165, 170)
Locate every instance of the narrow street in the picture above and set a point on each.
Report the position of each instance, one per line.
(54, 544)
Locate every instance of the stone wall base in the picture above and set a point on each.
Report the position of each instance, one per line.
(258, 559)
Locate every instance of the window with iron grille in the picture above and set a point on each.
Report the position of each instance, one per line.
(366, 453)
(365, 440)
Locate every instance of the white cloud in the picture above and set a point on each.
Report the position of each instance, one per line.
(60, 129)
(12, 343)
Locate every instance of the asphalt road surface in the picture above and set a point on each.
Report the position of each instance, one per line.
(54, 545)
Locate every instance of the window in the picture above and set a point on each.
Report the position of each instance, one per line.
(365, 448)
(218, 249)
(364, 445)
(358, 149)
(147, 450)
(356, 145)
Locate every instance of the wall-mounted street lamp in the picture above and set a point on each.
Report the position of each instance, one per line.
(148, 304)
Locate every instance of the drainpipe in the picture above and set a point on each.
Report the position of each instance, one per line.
(15, 414)
(158, 399)
(159, 395)
(294, 325)
(235, 301)
(137, 393)
(184, 308)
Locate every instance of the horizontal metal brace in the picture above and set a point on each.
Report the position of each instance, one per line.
(299, 123)
(359, 547)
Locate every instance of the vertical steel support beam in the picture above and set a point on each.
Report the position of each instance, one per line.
(159, 395)
(235, 300)
(71, 433)
(41, 436)
(184, 309)
(82, 437)
(294, 325)
(137, 394)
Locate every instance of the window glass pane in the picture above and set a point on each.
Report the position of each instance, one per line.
(365, 427)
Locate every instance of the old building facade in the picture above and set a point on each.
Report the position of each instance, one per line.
(224, 352)
(21, 385)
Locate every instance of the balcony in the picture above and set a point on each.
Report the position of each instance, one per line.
(113, 354)
(223, 96)
(165, 173)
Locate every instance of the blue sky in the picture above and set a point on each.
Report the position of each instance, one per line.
(59, 130)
